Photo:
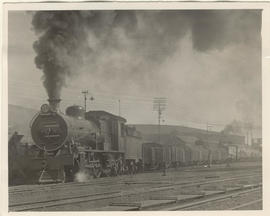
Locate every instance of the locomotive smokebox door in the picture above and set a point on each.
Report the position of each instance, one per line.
(49, 130)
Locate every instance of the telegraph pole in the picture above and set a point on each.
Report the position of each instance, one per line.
(209, 149)
(85, 93)
(159, 105)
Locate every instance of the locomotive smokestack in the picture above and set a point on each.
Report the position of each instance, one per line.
(54, 104)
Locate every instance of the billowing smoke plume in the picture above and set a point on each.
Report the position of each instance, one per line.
(60, 44)
(68, 39)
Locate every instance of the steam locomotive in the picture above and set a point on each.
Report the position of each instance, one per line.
(94, 144)
(78, 145)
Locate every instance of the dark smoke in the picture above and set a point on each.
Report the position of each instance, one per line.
(59, 43)
(70, 38)
(217, 29)
(62, 45)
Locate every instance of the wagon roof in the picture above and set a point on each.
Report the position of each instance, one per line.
(196, 147)
(99, 113)
(165, 139)
(188, 139)
(209, 136)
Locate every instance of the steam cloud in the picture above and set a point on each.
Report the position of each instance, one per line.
(81, 177)
(68, 39)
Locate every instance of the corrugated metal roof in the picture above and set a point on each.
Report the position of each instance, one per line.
(104, 113)
(164, 139)
(206, 136)
(188, 139)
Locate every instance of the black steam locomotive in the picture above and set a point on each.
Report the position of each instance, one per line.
(77, 143)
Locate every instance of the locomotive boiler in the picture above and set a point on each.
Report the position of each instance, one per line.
(51, 129)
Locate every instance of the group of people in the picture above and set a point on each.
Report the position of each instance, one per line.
(131, 167)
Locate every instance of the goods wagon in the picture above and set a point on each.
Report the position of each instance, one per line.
(152, 155)
(175, 154)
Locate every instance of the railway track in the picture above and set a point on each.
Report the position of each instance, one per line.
(73, 185)
(78, 199)
(197, 204)
(96, 182)
(27, 206)
(50, 187)
(38, 205)
(238, 207)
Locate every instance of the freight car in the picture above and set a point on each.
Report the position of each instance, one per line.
(180, 150)
(152, 156)
(166, 148)
(155, 155)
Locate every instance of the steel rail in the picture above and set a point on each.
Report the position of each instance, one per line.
(89, 197)
(211, 199)
(81, 199)
(37, 188)
(18, 189)
(246, 204)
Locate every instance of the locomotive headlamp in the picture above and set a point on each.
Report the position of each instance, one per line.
(45, 108)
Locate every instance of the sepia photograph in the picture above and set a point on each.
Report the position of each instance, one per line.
(134, 109)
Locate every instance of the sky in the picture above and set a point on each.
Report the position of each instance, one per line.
(206, 63)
